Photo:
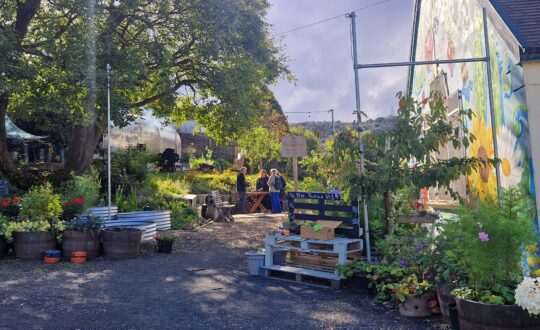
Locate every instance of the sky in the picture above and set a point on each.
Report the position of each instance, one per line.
(320, 56)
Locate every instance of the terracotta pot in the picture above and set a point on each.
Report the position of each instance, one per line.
(416, 306)
(51, 260)
(475, 315)
(78, 257)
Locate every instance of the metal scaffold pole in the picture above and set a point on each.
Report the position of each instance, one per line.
(363, 196)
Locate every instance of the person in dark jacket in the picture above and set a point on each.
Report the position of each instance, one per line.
(241, 185)
(262, 185)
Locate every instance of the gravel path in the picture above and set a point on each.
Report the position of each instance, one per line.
(202, 285)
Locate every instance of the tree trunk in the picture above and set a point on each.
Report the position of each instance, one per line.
(7, 166)
(81, 148)
(388, 220)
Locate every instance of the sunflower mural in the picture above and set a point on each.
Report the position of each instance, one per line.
(482, 181)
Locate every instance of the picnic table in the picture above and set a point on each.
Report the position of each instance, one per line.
(257, 198)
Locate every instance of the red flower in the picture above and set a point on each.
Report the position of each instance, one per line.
(16, 200)
(76, 200)
(5, 203)
(394, 290)
(65, 203)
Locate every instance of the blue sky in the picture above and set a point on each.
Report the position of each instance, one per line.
(320, 56)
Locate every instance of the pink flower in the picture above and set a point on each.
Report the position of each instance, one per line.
(484, 237)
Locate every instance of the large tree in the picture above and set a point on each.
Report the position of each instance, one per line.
(186, 59)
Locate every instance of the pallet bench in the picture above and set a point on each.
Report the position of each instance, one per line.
(317, 258)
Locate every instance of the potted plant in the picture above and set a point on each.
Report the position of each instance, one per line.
(34, 232)
(165, 244)
(82, 234)
(486, 242)
(414, 296)
(356, 275)
(3, 242)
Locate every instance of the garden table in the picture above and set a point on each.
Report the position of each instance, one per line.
(257, 197)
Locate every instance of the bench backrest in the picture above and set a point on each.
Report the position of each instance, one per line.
(218, 199)
(319, 206)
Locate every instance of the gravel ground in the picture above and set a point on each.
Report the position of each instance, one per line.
(202, 285)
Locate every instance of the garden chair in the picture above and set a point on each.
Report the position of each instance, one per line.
(223, 209)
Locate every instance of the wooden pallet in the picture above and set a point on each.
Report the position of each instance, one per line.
(301, 274)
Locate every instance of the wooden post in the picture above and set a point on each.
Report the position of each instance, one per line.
(295, 172)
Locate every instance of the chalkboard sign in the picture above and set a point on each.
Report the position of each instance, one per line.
(323, 206)
(4, 188)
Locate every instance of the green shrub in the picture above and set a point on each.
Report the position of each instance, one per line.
(182, 214)
(80, 193)
(40, 203)
(128, 168)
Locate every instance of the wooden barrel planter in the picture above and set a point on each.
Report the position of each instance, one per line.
(32, 245)
(475, 315)
(3, 247)
(121, 243)
(88, 241)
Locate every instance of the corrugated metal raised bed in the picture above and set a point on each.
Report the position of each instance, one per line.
(103, 213)
(162, 219)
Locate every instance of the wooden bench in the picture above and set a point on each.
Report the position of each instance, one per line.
(223, 209)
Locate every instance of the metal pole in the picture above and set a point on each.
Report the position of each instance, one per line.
(333, 124)
(413, 63)
(352, 16)
(491, 104)
(108, 144)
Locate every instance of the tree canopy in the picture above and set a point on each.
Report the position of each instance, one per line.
(205, 60)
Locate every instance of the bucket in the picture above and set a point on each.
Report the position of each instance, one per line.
(121, 243)
(255, 262)
(88, 241)
(33, 244)
(51, 260)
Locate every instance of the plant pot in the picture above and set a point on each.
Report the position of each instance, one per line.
(3, 247)
(33, 244)
(255, 262)
(453, 316)
(476, 315)
(88, 241)
(165, 246)
(445, 299)
(416, 306)
(121, 243)
(359, 284)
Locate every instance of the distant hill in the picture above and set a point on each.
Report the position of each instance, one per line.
(323, 129)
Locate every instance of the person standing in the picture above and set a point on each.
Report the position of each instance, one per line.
(282, 190)
(262, 185)
(241, 186)
(275, 184)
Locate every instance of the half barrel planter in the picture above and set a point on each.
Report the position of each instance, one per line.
(121, 242)
(476, 315)
(32, 245)
(87, 241)
(148, 228)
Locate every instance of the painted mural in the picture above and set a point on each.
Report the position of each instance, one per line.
(454, 29)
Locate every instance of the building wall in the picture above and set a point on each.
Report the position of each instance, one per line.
(454, 29)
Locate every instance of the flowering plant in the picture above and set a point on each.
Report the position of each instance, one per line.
(411, 285)
(84, 223)
(528, 295)
(10, 206)
(485, 242)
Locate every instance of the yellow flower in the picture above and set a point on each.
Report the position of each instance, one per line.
(483, 182)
